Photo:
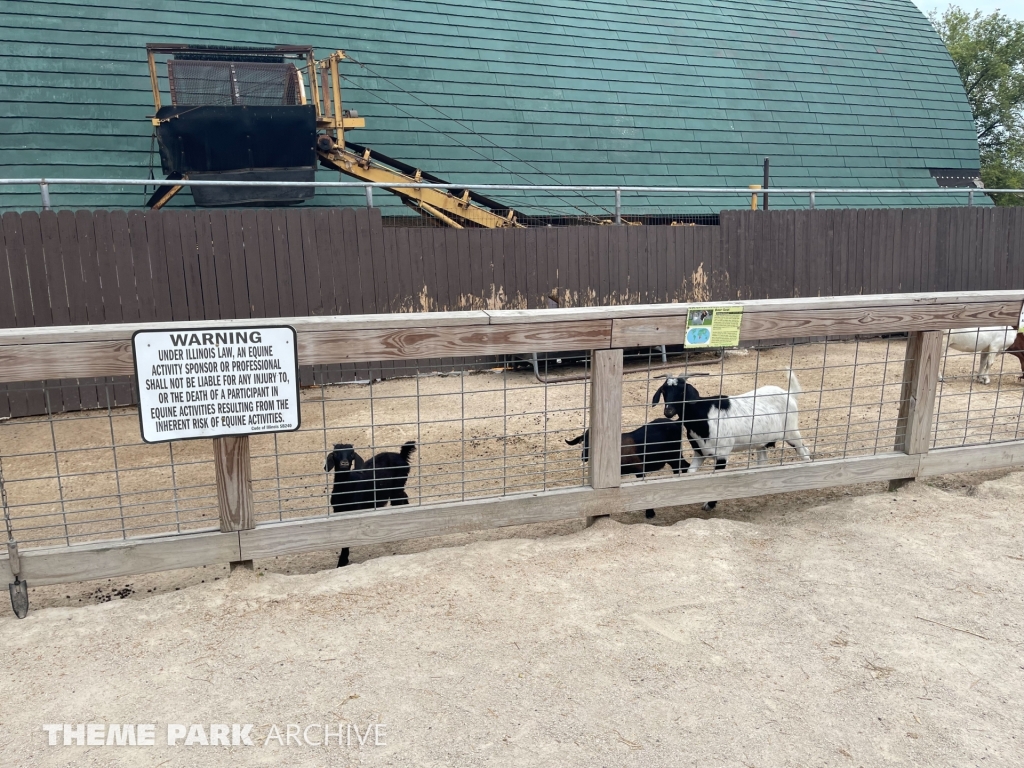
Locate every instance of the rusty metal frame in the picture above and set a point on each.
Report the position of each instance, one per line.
(453, 211)
(325, 94)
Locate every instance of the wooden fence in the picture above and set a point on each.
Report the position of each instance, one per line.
(95, 267)
(34, 354)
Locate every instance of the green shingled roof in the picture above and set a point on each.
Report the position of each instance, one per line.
(856, 94)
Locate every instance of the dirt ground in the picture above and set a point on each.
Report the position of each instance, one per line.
(848, 627)
(480, 434)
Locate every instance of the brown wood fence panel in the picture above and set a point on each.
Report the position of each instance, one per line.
(89, 267)
(79, 267)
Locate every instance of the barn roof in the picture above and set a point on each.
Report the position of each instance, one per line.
(682, 92)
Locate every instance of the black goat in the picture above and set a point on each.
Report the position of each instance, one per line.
(350, 487)
(646, 449)
(367, 485)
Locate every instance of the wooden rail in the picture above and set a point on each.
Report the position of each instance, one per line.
(32, 354)
(78, 351)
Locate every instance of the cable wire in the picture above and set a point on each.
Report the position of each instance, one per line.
(470, 130)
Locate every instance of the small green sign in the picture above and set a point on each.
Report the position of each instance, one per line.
(713, 326)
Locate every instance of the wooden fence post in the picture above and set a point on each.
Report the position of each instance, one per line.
(234, 487)
(917, 397)
(605, 421)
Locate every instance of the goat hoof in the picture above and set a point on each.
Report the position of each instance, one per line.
(649, 513)
(709, 506)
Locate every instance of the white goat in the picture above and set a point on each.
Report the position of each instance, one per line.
(988, 341)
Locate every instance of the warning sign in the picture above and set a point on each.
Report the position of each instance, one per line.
(713, 326)
(216, 381)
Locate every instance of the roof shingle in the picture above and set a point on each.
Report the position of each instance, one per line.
(653, 92)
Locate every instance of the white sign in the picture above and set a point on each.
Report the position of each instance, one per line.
(216, 381)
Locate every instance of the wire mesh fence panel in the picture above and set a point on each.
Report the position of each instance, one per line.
(980, 398)
(227, 83)
(87, 476)
(478, 432)
(477, 428)
(844, 401)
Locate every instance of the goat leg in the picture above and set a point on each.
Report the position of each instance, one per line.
(983, 366)
(1017, 350)
(343, 558)
(798, 445)
(719, 464)
(648, 513)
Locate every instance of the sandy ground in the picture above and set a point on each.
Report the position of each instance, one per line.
(849, 627)
(86, 476)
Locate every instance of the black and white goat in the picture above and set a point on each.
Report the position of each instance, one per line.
(720, 424)
(367, 485)
(646, 449)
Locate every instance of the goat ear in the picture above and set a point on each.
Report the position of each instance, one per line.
(657, 395)
(329, 464)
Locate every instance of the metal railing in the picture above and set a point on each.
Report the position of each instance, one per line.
(811, 193)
